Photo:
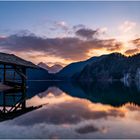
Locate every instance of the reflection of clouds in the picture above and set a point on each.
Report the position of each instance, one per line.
(131, 107)
(37, 131)
(66, 119)
(90, 128)
(70, 112)
(133, 112)
(87, 129)
(71, 118)
(42, 131)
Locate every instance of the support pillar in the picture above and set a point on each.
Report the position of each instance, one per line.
(23, 79)
(4, 74)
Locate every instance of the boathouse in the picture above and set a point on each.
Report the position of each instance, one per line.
(17, 66)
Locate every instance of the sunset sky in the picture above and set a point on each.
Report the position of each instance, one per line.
(65, 32)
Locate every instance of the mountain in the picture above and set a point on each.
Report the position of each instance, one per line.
(53, 69)
(32, 74)
(38, 74)
(76, 68)
(43, 65)
(113, 66)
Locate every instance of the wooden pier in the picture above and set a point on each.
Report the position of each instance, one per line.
(13, 86)
(17, 66)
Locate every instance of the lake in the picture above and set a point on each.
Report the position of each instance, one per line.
(71, 110)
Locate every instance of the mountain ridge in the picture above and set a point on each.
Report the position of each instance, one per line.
(109, 66)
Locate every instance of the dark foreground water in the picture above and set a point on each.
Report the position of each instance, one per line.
(66, 110)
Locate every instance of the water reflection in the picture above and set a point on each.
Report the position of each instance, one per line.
(112, 93)
(75, 110)
(13, 104)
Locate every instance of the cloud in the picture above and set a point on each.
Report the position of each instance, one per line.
(127, 26)
(132, 51)
(136, 42)
(79, 26)
(111, 44)
(68, 48)
(102, 30)
(86, 33)
(135, 49)
(61, 24)
(108, 44)
(56, 63)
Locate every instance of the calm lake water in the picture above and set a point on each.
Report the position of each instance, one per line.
(71, 110)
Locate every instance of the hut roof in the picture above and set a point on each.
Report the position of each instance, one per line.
(12, 59)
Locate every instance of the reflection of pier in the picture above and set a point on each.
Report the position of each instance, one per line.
(13, 104)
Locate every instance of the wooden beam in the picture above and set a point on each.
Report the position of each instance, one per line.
(4, 73)
(21, 73)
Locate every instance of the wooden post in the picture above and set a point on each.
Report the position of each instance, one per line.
(14, 76)
(23, 105)
(24, 88)
(23, 79)
(4, 104)
(4, 74)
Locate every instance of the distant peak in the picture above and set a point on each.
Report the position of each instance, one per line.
(40, 63)
(53, 69)
(43, 65)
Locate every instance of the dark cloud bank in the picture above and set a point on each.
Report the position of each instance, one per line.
(71, 48)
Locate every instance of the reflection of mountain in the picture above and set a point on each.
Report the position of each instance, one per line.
(53, 69)
(72, 89)
(36, 87)
(115, 94)
(53, 90)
